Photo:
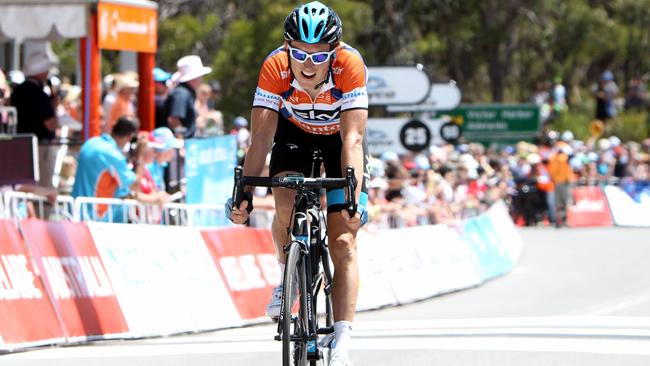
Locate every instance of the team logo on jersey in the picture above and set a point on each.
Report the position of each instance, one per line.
(317, 115)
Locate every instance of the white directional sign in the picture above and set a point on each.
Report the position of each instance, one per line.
(397, 85)
(442, 97)
(402, 135)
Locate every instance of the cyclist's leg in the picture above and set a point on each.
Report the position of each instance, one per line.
(287, 156)
(343, 251)
(283, 205)
(290, 154)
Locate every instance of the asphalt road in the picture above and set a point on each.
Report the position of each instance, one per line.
(577, 297)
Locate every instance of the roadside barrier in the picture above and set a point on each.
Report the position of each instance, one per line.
(27, 317)
(99, 280)
(590, 208)
(628, 210)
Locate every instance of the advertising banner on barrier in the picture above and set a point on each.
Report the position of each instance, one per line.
(209, 168)
(374, 277)
(75, 278)
(404, 269)
(26, 313)
(590, 208)
(626, 211)
(450, 261)
(492, 257)
(509, 238)
(164, 278)
(247, 262)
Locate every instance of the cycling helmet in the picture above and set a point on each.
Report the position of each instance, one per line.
(313, 22)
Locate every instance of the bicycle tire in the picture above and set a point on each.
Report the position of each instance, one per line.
(329, 309)
(294, 353)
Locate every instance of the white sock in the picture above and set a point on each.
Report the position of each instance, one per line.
(343, 333)
(282, 265)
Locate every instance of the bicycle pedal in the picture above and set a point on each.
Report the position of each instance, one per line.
(278, 337)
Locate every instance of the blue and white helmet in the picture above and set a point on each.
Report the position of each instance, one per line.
(313, 22)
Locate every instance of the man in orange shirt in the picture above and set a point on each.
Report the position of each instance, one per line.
(563, 177)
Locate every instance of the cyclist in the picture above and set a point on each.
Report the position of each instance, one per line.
(312, 93)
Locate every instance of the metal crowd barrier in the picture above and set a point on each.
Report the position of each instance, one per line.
(20, 205)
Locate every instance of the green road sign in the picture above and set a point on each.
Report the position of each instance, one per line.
(496, 123)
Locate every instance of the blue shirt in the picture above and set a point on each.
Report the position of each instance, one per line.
(103, 171)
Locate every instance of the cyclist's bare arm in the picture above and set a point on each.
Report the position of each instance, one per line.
(263, 124)
(353, 126)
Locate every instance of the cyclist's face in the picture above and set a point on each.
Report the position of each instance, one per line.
(308, 74)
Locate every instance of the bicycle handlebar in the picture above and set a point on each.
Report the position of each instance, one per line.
(297, 182)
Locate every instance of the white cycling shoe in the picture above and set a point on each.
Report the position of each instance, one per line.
(339, 359)
(274, 308)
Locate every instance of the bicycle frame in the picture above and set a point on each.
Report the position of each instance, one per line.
(307, 232)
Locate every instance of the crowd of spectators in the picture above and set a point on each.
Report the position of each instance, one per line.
(443, 184)
(121, 162)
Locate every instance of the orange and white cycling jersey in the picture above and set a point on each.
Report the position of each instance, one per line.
(343, 91)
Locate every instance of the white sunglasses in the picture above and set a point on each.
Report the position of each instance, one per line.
(317, 57)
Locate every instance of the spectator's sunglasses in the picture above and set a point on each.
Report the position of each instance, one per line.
(317, 57)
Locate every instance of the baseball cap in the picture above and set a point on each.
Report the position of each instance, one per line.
(160, 75)
(162, 138)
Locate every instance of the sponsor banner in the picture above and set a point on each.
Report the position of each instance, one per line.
(75, 278)
(418, 269)
(26, 313)
(127, 28)
(590, 208)
(626, 211)
(505, 230)
(492, 258)
(209, 168)
(374, 278)
(412, 276)
(247, 262)
(450, 261)
(164, 278)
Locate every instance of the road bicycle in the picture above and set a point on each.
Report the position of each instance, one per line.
(306, 337)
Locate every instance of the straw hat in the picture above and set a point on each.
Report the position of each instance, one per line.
(190, 68)
(126, 81)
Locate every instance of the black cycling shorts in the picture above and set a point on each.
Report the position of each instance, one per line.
(292, 151)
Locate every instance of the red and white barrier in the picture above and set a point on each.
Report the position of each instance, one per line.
(75, 278)
(27, 317)
(590, 208)
(246, 260)
(164, 278)
(119, 280)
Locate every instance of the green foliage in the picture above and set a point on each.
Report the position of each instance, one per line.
(184, 35)
(629, 126)
(495, 50)
(68, 55)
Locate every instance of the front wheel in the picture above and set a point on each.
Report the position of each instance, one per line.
(294, 318)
